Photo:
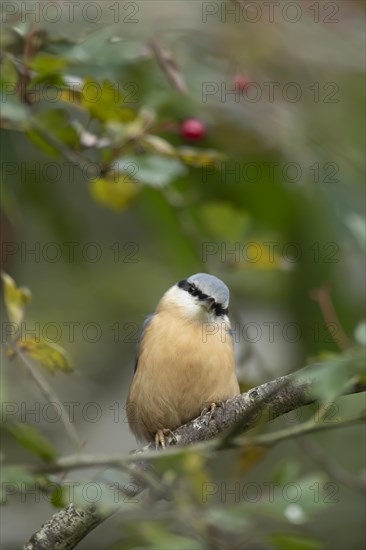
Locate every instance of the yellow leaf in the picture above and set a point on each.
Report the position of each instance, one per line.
(115, 190)
(50, 356)
(46, 64)
(104, 101)
(72, 96)
(266, 256)
(10, 352)
(15, 298)
(194, 467)
(200, 157)
(249, 457)
(158, 145)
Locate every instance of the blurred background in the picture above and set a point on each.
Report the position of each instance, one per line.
(143, 142)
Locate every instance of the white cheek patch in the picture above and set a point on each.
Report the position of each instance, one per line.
(188, 305)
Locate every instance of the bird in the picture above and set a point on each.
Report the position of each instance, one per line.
(185, 362)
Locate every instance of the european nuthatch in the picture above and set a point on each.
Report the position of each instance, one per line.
(185, 358)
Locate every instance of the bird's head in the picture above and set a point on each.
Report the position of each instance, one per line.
(201, 298)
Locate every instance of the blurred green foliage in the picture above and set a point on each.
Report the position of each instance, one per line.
(105, 205)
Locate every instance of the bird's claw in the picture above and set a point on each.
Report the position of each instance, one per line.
(160, 437)
(211, 409)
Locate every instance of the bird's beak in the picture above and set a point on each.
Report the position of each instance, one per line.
(208, 303)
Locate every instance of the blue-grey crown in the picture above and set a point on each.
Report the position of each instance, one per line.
(203, 285)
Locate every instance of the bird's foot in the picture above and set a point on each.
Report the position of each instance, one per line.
(211, 409)
(160, 437)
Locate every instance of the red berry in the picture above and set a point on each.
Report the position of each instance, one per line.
(242, 82)
(193, 129)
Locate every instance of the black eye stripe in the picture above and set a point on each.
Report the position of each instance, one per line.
(219, 310)
(185, 285)
(194, 291)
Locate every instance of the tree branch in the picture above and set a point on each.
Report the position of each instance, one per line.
(265, 402)
(64, 530)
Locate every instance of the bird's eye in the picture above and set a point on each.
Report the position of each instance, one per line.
(191, 289)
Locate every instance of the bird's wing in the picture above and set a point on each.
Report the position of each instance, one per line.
(142, 334)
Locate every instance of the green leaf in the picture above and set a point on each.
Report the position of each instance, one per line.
(31, 438)
(10, 37)
(357, 225)
(59, 497)
(11, 107)
(8, 76)
(35, 89)
(51, 356)
(39, 141)
(104, 101)
(15, 112)
(332, 377)
(15, 298)
(105, 47)
(360, 333)
(115, 191)
(48, 64)
(57, 121)
(153, 170)
(286, 541)
(13, 480)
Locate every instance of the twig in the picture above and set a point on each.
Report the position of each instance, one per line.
(323, 298)
(169, 67)
(51, 396)
(67, 153)
(330, 466)
(25, 75)
(298, 431)
(75, 462)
